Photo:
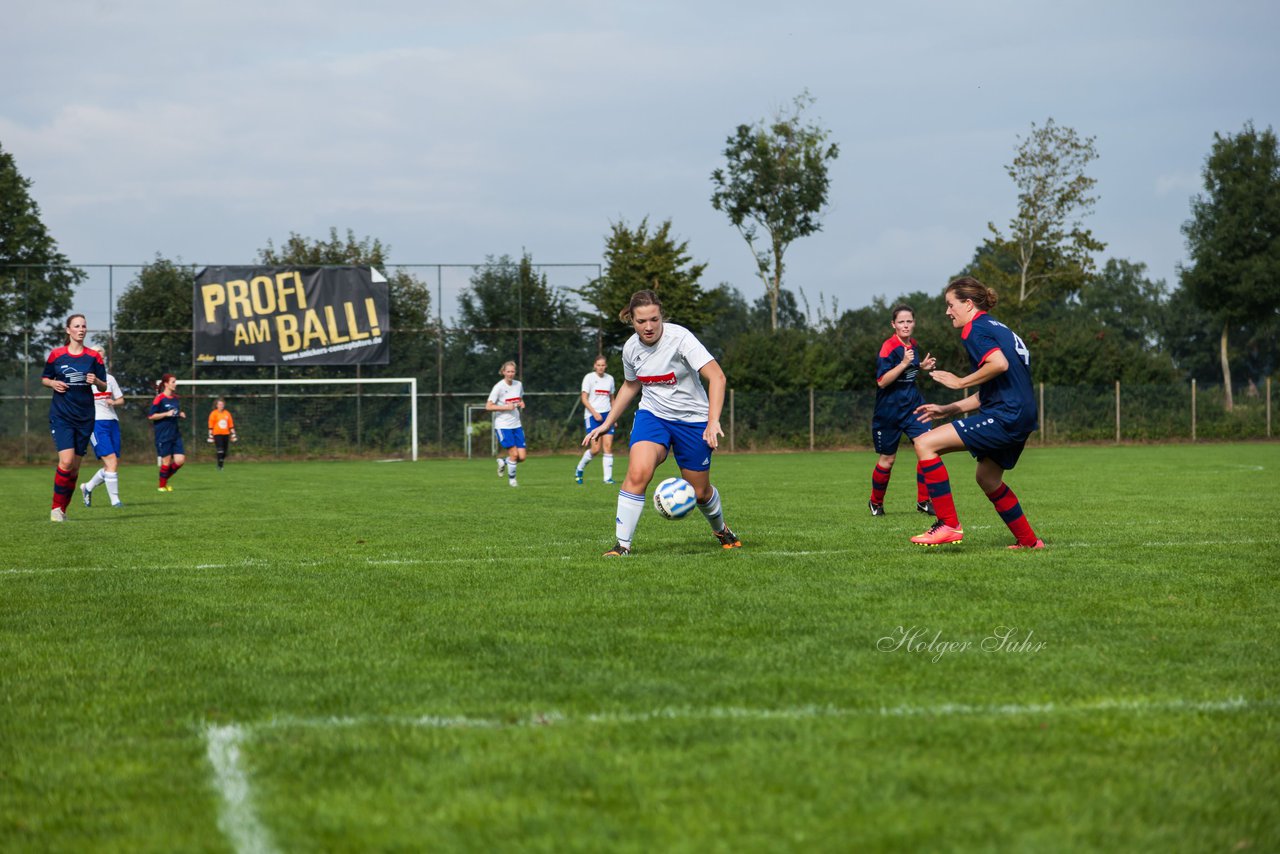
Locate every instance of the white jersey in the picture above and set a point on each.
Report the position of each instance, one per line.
(599, 390)
(102, 408)
(503, 394)
(668, 372)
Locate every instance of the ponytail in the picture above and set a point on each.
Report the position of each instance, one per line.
(967, 287)
(638, 300)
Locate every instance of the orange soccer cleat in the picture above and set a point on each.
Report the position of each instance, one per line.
(940, 534)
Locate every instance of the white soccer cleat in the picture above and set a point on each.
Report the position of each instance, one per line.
(57, 515)
(511, 481)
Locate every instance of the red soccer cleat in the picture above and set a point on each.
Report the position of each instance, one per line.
(940, 534)
(1038, 544)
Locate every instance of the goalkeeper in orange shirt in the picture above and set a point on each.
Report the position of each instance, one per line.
(222, 429)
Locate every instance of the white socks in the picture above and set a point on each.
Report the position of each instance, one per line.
(629, 509)
(112, 479)
(98, 477)
(608, 466)
(586, 458)
(712, 511)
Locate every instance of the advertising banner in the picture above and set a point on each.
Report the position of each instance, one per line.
(291, 316)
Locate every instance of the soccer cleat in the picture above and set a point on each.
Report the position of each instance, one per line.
(940, 534)
(1039, 544)
(618, 550)
(164, 489)
(88, 496)
(577, 476)
(925, 507)
(609, 480)
(876, 509)
(511, 481)
(57, 514)
(728, 539)
(118, 505)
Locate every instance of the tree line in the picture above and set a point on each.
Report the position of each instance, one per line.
(1085, 323)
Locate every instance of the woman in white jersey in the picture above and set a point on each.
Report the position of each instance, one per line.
(506, 400)
(665, 361)
(106, 442)
(597, 399)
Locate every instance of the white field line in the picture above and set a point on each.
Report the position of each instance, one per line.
(236, 819)
(247, 835)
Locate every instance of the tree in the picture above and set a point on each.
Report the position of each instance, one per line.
(1048, 248)
(776, 180)
(37, 284)
(636, 260)
(511, 312)
(153, 326)
(1233, 237)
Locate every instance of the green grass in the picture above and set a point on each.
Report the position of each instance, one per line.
(414, 656)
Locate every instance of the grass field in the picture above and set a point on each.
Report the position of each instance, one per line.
(413, 656)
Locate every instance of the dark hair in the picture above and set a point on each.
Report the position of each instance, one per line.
(160, 383)
(967, 287)
(638, 300)
(901, 307)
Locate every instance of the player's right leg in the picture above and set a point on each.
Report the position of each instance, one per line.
(929, 448)
(646, 456)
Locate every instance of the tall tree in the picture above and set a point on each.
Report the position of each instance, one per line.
(511, 312)
(636, 259)
(1047, 246)
(37, 284)
(775, 180)
(1233, 237)
(153, 326)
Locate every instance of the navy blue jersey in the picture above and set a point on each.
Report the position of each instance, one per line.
(166, 428)
(901, 395)
(75, 405)
(1009, 397)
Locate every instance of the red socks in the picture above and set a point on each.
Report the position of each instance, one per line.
(64, 486)
(938, 484)
(1006, 504)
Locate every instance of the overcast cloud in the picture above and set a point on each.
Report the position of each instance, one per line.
(199, 131)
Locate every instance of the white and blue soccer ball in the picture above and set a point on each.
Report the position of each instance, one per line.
(674, 498)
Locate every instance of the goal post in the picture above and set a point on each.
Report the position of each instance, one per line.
(229, 387)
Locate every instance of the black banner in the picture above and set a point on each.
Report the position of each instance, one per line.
(291, 316)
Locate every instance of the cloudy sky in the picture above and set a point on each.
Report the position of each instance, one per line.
(453, 131)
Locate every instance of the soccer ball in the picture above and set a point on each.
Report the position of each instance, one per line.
(674, 498)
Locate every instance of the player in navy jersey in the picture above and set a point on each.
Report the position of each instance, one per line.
(665, 364)
(73, 371)
(164, 414)
(997, 420)
(897, 399)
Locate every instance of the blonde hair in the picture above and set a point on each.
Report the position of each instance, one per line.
(511, 362)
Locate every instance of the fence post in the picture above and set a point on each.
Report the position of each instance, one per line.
(811, 418)
(731, 421)
(1117, 412)
(1193, 410)
(1268, 407)
(1042, 418)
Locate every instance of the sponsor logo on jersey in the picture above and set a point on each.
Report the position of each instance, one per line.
(664, 379)
(513, 400)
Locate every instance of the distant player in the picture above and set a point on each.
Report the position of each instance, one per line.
(998, 419)
(73, 371)
(106, 443)
(597, 399)
(505, 401)
(663, 363)
(222, 429)
(164, 415)
(896, 401)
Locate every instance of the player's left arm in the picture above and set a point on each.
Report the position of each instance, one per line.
(716, 383)
(992, 366)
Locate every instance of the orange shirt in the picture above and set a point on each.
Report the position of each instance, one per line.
(221, 423)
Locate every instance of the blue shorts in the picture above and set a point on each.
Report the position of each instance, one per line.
(71, 436)
(106, 438)
(169, 447)
(684, 438)
(987, 438)
(590, 423)
(886, 433)
(511, 438)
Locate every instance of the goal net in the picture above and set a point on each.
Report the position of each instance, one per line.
(308, 418)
